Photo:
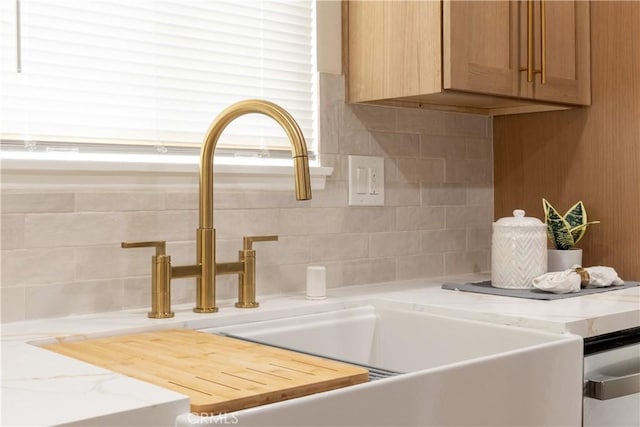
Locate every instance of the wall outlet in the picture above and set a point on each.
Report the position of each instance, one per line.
(366, 181)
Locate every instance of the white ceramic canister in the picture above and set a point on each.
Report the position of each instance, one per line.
(518, 251)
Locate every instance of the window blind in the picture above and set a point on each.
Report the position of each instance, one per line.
(151, 74)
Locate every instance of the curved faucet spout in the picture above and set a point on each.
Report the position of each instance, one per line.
(206, 235)
(280, 115)
(205, 268)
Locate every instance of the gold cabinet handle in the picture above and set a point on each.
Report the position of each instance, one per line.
(530, 68)
(530, 52)
(543, 42)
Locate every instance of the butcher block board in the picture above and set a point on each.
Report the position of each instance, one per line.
(219, 374)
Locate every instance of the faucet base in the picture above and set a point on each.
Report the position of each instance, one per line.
(161, 315)
(247, 305)
(205, 310)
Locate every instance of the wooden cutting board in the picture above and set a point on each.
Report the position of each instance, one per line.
(219, 374)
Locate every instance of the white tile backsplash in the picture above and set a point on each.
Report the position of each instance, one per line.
(419, 266)
(61, 251)
(23, 267)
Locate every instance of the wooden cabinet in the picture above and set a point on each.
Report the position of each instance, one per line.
(469, 55)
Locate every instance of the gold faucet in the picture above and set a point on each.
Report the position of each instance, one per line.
(206, 268)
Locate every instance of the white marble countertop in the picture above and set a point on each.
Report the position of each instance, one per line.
(40, 387)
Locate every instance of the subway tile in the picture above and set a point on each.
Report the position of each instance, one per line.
(420, 266)
(479, 194)
(273, 279)
(310, 221)
(184, 200)
(459, 124)
(354, 219)
(400, 170)
(227, 250)
(479, 148)
(479, 239)
(329, 133)
(286, 250)
(359, 117)
(37, 266)
(236, 223)
(384, 245)
(64, 299)
(420, 218)
(440, 194)
(184, 252)
(360, 272)
(437, 241)
(457, 170)
(431, 170)
(176, 225)
(334, 274)
(119, 201)
(390, 170)
(112, 261)
(332, 87)
(429, 122)
(225, 199)
(350, 121)
(12, 234)
(184, 290)
(402, 194)
(356, 142)
(466, 262)
(441, 147)
(338, 247)
(331, 111)
(226, 289)
(481, 171)
(37, 202)
(468, 216)
(340, 166)
(361, 219)
(395, 144)
(469, 171)
(12, 304)
(136, 292)
(335, 194)
(88, 228)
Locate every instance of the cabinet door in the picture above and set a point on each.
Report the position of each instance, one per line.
(478, 53)
(393, 49)
(567, 52)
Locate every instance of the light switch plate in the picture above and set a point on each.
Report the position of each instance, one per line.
(366, 181)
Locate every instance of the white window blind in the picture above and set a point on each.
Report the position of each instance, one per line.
(151, 75)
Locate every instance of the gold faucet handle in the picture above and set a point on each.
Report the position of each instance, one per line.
(160, 245)
(248, 241)
(160, 278)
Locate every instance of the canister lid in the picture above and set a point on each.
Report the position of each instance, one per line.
(519, 220)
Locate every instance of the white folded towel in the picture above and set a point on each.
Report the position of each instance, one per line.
(564, 282)
(560, 282)
(603, 276)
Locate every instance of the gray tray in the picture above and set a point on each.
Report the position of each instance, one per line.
(486, 288)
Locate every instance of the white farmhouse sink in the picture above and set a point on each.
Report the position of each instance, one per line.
(389, 336)
(457, 372)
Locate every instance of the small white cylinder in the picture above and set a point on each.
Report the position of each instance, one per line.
(316, 282)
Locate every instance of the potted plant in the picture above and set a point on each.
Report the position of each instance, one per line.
(565, 231)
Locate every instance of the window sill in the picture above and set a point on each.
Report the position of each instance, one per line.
(149, 174)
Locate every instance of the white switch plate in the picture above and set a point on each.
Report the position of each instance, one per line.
(366, 181)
